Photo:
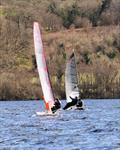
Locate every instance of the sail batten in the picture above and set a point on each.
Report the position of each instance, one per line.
(42, 68)
(71, 81)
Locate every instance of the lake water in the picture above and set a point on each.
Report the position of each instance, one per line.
(95, 128)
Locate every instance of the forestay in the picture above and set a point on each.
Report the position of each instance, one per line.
(42, 68)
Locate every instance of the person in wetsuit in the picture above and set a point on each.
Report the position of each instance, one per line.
(79, 104)
(70, 104)
(57, 105)
(75, 101)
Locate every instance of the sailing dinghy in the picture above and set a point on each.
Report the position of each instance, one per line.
(43, 70)
(71, 83)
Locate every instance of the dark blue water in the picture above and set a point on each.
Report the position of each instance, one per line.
(95, 128)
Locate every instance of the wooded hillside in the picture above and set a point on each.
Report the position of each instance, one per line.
(92, 28)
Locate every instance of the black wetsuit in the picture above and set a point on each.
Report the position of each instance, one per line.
(79, 104)
(56, 106)
(74, 102)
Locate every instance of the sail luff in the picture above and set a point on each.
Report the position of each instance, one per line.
(42, 67)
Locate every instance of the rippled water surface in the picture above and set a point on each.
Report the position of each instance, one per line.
(95, 128)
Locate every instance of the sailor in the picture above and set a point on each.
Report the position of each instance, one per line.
(79, 104)
(57, 105)
(75, 102)
(78, 101)
(70, 104)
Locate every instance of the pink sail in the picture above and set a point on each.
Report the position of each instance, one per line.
(42, 68)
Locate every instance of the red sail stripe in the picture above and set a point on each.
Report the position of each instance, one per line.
(46, 104)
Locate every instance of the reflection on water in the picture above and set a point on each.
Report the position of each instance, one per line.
(95, 128)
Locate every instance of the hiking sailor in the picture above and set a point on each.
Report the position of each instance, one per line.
(57, 105)
(72, 103)
(75, 102)
(79, 104)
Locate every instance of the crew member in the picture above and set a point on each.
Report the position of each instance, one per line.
(57, 105)
(70, 104)
(79, 104)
